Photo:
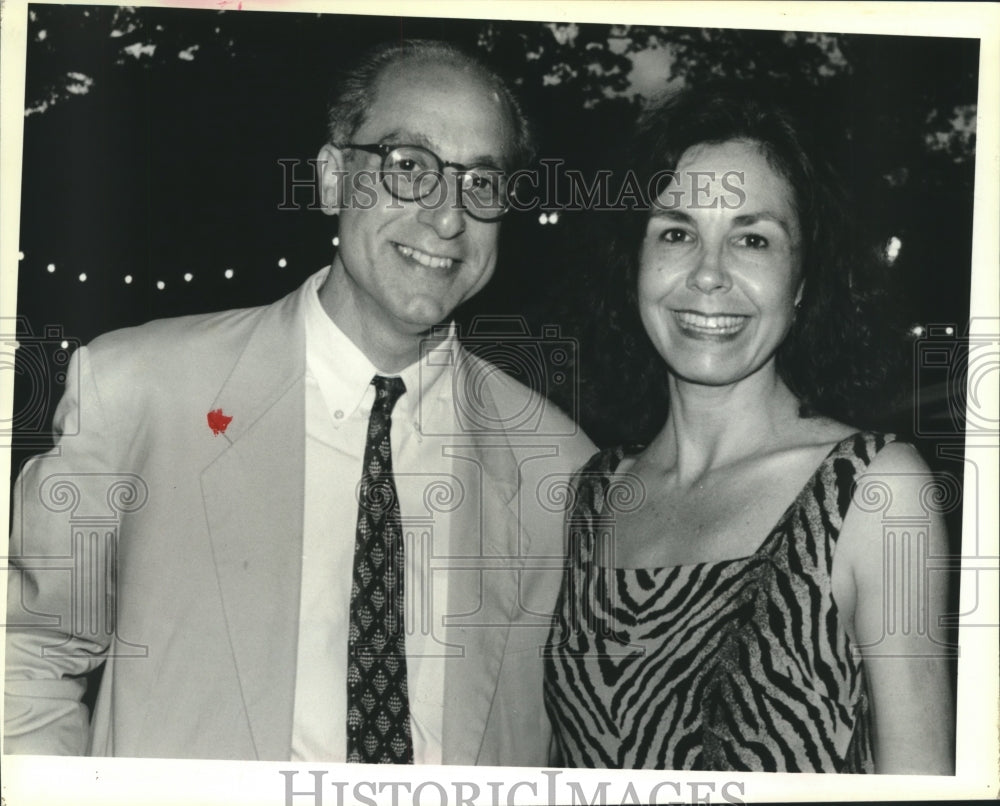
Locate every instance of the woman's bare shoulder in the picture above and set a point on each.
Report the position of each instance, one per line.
(816, 431)
(896, 484)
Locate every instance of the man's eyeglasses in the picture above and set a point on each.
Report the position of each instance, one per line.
(415, 173)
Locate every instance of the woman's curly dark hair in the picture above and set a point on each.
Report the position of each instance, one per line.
(840, 352)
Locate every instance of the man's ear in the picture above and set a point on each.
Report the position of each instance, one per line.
(330, 164)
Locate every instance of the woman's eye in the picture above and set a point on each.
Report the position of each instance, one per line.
(754, 241)
(675, 236)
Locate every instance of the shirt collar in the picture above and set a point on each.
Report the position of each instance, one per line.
(344, 373)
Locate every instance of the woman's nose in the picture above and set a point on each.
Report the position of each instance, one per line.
(709, 275)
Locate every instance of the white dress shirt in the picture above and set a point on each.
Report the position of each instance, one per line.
(339, 396)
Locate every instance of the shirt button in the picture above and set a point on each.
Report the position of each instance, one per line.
(339, 414)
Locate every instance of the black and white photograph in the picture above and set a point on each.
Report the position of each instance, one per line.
(507, 395)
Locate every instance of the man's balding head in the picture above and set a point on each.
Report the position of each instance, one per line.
(356, 87)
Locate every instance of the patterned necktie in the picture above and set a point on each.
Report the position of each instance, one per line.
(378, 709)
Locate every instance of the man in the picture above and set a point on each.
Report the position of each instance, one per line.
(245, 603)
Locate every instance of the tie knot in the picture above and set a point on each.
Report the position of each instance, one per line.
(387, 391)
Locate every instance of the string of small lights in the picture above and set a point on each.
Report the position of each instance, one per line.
(161, 284)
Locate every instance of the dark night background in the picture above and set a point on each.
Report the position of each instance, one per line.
(152, 140)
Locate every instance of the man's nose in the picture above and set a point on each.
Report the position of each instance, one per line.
(710, 275)
(442, 209)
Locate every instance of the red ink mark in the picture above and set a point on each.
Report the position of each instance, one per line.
(218, 421)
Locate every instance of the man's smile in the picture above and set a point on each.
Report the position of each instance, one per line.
(423, 258)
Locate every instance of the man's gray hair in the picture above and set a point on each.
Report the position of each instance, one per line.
(354, 90)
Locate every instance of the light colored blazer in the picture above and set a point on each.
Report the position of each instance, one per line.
(175, 553)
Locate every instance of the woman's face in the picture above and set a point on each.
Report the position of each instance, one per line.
(719, 267)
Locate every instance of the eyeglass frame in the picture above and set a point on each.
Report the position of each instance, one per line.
(383, 150)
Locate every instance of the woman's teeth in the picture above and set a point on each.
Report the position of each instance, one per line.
(721, 324)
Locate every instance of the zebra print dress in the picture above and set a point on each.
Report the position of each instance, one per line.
(742, 664)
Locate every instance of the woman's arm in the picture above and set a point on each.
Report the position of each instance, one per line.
(894, 543)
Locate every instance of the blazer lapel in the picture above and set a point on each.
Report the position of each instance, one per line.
(480, 603)
(253, 501)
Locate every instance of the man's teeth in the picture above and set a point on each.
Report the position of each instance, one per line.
(424, 259)
(718, 324)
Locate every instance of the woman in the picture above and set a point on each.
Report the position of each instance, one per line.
(725, 606)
